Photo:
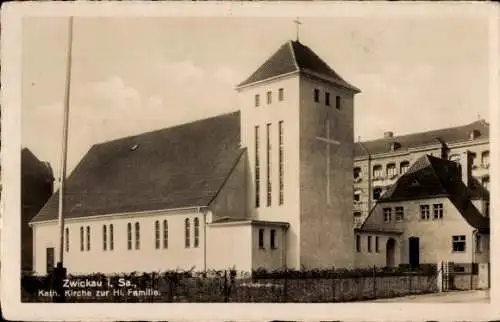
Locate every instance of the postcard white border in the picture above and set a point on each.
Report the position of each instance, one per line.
(13, 309)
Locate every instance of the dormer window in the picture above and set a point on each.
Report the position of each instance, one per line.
(394, 146)
(134, 147)
(474, 134)
(316, 95)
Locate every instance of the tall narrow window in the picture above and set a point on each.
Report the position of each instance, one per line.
(129, 236)
(104, 238)
(438, 210)
(478, 244)
(403, 167)
(425, 212)
(269, 97)
(281, 164)
(400, 214)
(377, 246)
(88, 238)
(369, 243)
(261, 238)
(358, 243)
(268, 165)
(157, 234)
(196, 232)
(81, 239)
(485, 159)
(257, 168)
(327, 99)
(273, 239)
(137, 236)
(67, 240)
(281, 94)
(111, 238)
(165, 234)
(316, 95)
(187, 233)
(257, 100)
(338, 102)
(387, 215)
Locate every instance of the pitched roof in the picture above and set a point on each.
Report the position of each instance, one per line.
(32, 166)
(432, 177)
(295, 57)
(448, 135)
(181, 166)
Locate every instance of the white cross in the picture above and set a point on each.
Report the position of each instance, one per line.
(328, 140)
(297, 24)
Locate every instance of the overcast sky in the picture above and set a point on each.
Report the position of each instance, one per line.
(132, 75)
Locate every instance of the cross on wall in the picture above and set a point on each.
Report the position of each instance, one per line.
(329, 141)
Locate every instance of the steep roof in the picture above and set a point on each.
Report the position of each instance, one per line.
(448, 135)
(431, 177)
(295, 57)
(32, 166)
(181, 166)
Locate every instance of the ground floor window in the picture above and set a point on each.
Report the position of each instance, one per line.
(458, 243)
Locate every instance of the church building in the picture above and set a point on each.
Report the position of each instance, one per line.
(268, 186)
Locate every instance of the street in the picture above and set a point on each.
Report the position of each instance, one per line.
(474, 296)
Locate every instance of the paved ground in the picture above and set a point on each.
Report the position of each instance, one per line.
(476, 296)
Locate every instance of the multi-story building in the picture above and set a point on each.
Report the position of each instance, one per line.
(379, 163)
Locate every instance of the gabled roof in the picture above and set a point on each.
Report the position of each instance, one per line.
(448, 135)
(295, 57)
(177, 167)
(431, 177)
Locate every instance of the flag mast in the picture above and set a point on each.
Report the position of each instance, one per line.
(64, 152)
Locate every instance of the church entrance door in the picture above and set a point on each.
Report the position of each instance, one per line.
(390, 253)
(414, 251)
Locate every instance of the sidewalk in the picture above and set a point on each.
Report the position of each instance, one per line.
(474, 296)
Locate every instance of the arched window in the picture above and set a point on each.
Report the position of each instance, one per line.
(187, 237)
(391, 170)
(81, 239)
(377, 171)
(165, 234)
(104, 238)
(403, 167)
(377, 192)
(88, 238)
(157, 234)
(137, 236)
(67, 239)
(485, 159)
(111, 238)
(129, 236)
(196, 232)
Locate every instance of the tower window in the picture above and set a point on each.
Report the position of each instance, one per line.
(111, 238)
(257, 100)
(157, 234)
(273, 239)
(281, 94)
(129, 236)
(338, 102)
(327, 99)
(104, 238)
(137, 236)
(281, 164)
(316, 95)
(165, 234)
(377, 192)
(261, 238)
(269, 97)
(257, 168)
(268, 165)
(88, 238)
(187, 234)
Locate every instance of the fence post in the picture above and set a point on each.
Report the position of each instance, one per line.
(374, 282)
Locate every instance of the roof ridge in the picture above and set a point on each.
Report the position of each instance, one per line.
(292, 50)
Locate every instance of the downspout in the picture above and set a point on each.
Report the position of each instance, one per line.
(369, 176)
(205, 241)
(473, 253)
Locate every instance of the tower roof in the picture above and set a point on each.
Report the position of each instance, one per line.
(294, 57)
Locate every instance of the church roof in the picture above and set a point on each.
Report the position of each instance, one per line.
(431, 177)
(292, 57)
(404, 142)
(176, 167)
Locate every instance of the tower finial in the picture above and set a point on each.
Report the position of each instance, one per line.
(297, 26)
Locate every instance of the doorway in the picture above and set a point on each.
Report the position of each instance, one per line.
(414, 251)
(390, 253)
(50, 259)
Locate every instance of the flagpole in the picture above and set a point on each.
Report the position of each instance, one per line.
(60, 271)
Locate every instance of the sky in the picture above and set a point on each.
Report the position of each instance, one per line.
(131, 75)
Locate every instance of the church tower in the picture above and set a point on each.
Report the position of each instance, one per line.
(297, 126)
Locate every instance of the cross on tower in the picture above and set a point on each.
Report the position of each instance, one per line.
(328, 140)
(297, 27)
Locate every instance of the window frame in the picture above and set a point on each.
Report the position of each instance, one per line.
(399, 210)
(281, 94)
(187, 233)
(273, 239)
(458, 240)
(257, 100)
(316, 95)
(261, 238)
(387, 213)
(425, 212)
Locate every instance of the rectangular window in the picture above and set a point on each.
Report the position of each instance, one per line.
(281, 164)
(377, 171)
(327, 99)
(485, 159)
(358, 243)
(111, 238)
(316, 95)
(257, 100)
(187, 233)
(257, 168)
(157, 234)
(137, 236)
(377, 246)
(438, 210)
(82, 242)
(369, 243)
(165, 234)
(479, 247)
(269, 97)
(281, 94)
(67, 240)
(104, 238)
(400, 214)
(268, 165)
(129, 236)
(387, 215)
(273, 239)
(338, 102)
(88, 238)
(261, 238)
(391, 170)
(425, 212)
(458, 243)
(196, 232)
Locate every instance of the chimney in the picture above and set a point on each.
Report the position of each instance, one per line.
(466, 167)
(388, 134)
